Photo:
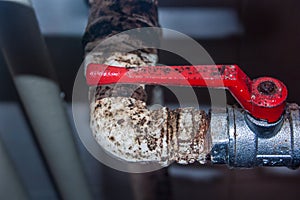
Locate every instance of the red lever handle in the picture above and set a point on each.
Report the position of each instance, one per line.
(264, 98)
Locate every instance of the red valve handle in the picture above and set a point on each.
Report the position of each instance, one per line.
(264, 98)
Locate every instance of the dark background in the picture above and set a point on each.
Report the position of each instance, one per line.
(268, 46)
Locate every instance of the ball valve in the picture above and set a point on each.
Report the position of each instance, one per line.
(264, 131)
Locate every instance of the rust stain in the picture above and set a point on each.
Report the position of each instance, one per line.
(119, 118)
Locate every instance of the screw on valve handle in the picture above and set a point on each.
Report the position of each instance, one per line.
(263, 98)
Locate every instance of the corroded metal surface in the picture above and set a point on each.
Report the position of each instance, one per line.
(120, 120)
(129, 131)
(110, 17)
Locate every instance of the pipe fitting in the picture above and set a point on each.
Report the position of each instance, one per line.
(240, 141)
(125, 128)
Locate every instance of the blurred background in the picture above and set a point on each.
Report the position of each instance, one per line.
(261, 36)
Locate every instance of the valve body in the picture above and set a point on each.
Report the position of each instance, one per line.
(238, 141)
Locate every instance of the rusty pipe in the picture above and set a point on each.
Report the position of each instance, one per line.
(108, 18)
(124, 126)
(127, 109)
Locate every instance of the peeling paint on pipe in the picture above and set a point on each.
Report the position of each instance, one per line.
(128, 130)
(119, 118)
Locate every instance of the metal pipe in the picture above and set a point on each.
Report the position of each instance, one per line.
(11, 186)
(152, 131)
(124, 127)
(239, 140)
(106, 19)
(26, 55)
